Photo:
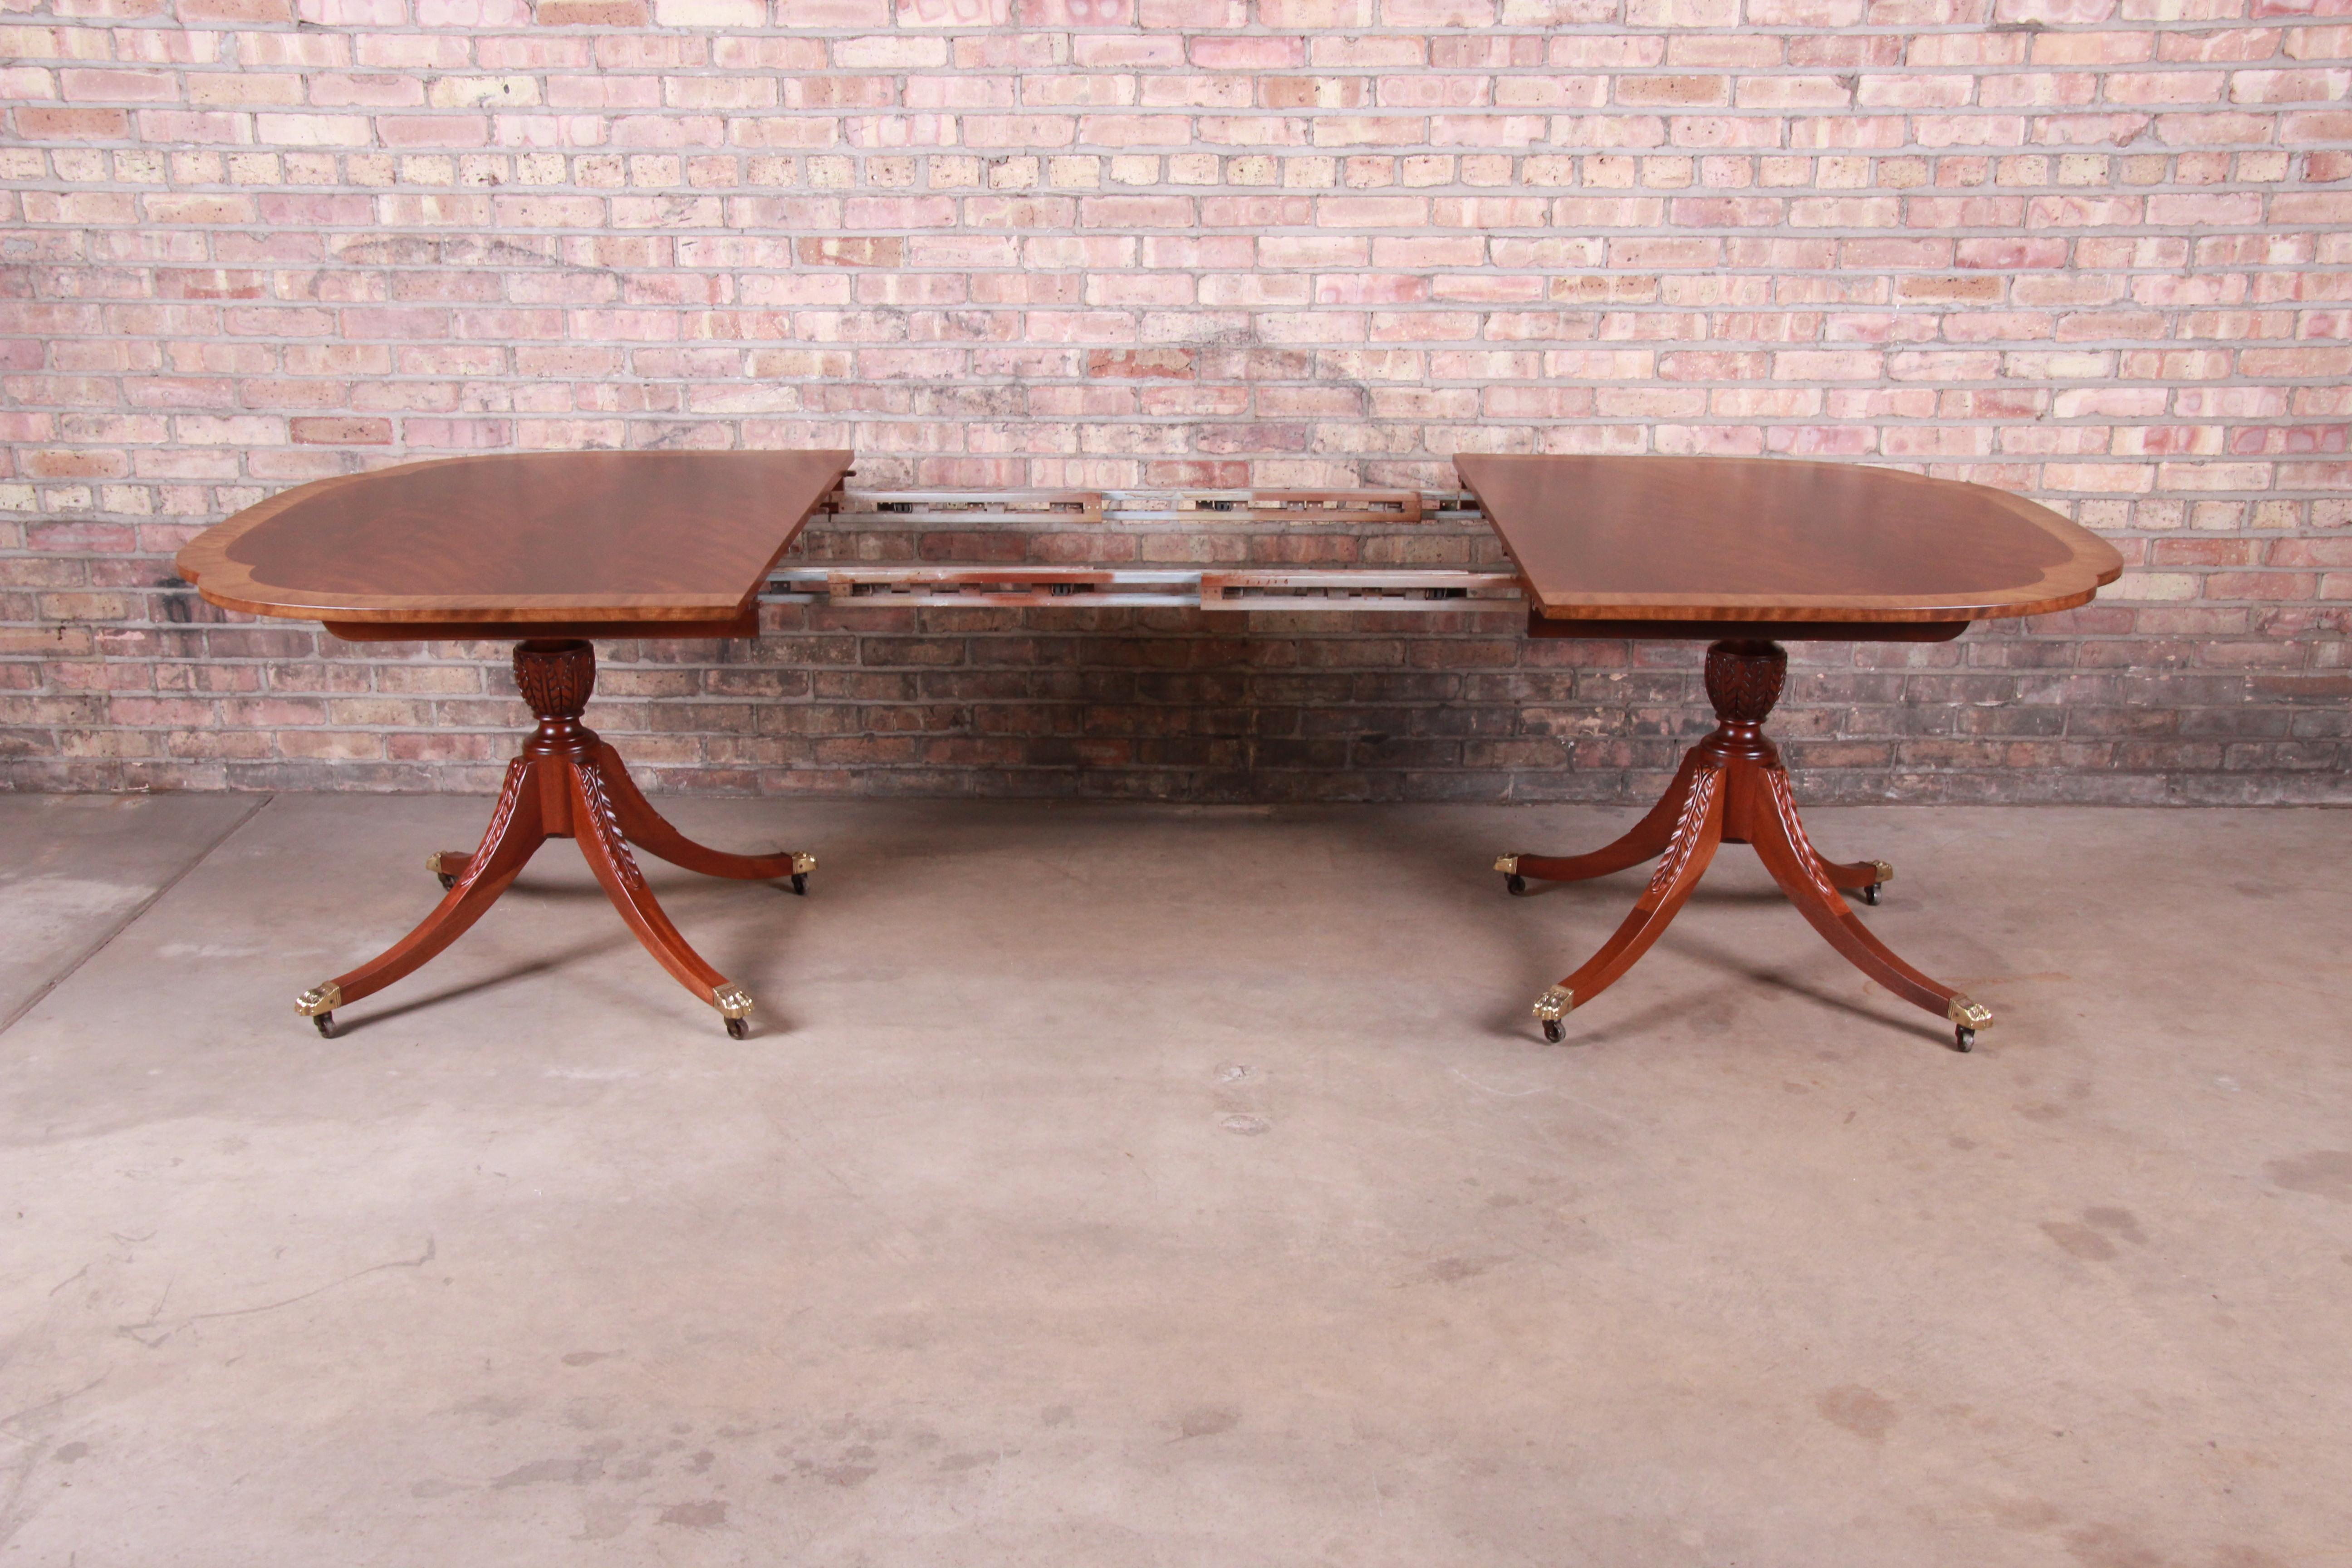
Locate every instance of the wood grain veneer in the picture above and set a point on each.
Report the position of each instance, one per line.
(465, 547)
(1768, 539)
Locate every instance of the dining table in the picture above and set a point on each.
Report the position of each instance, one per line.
(1745, 555)
(550, 550)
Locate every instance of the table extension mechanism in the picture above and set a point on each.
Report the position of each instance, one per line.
(878, 585)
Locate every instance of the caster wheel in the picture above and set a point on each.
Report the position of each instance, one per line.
(1870, 894)
(1515, 885)
(799, 883)
(325, 1023)
(1553, 1033)
(739, 1028)
(447, 881)
(1964, 1040)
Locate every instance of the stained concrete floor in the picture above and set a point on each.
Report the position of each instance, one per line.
(1131, 1185)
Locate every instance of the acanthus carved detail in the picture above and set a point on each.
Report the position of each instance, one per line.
(556, 681)
(1792, 827)
(510, 796)
(1743, 679)
(1684, 840)
(605, 823)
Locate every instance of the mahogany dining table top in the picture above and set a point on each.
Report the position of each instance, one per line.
(1705, 544)
(522, 544)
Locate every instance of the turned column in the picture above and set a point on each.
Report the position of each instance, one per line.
(556, 677)
(1743, 682)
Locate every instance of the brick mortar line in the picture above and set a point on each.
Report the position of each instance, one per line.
(1372, 345)
(982, 379)
(1225, 231)
(452, 230)
(1224, 149)
(990, 151)
(1787, 114)
(1525, 147)
(1518, 189)
(1500, 347)
(2279, 59)
(1850, 109)
(687, 31)
(1549, 192)
(2159, 27)
(135, 140)
(1401, 422)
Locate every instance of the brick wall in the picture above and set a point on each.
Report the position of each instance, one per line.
(2095, 251)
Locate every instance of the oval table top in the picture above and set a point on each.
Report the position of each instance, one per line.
(1777, 540)
(460, 545)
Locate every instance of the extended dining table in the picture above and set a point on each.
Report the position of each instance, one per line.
(552, 550)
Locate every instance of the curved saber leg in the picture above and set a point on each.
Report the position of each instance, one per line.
(1696, 832)
(514, 833)
(650, 831)
(598, 831)
(1645, 840)
(1780, 839)
(1864, 877)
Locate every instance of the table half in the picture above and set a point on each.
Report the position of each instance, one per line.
(547, 549)
(1747, 553)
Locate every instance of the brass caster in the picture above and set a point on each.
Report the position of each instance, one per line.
(1881, 874)
(447, 879)
(734, 1004)
(1513, 883)
(1870, 894)
(1550, 1008)
(1967, 1018)
(802, 866)
(318, 1004)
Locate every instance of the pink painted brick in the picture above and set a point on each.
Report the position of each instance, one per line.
(484, 14)
(1417, 14)
(314, 130)
(1227, 54)
(954, 12)
(1052, 14)
(1190, 13)
(88, 86)
(900, 212)
(709, 13)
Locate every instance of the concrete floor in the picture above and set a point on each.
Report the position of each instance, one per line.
(1129, 1185)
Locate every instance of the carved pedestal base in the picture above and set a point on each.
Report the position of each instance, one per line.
(566, 784)
(1731, 789)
